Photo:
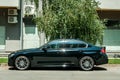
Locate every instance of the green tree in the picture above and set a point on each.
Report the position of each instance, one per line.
(71, 19)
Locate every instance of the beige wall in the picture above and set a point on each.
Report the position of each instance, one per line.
(9, 3)
(31, 40)
(12, 45)
(109, 4)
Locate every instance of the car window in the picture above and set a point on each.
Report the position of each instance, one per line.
(82, 45)
(66, 45)
(52, 46)
(75, 45)
(61, 45)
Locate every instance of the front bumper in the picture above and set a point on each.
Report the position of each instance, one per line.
(10, 60)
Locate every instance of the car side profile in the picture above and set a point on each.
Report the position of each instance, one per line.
(60, 53)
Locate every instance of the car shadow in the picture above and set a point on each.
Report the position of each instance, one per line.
(61, 69)
(99, 69)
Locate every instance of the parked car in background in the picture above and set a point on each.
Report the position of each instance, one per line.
(60, 53)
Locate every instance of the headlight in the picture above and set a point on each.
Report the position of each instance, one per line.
(11, 55)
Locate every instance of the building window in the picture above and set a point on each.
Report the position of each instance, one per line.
(29, 2)
(113, 24)
(30, 25)
(30, 29)
(111, 34)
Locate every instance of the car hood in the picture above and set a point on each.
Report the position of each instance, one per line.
(28, 50)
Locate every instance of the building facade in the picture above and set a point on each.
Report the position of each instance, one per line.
(17, 27)
(110, 10)
(9, 25)
(19, 31)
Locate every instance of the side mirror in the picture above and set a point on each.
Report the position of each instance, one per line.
(44, 49)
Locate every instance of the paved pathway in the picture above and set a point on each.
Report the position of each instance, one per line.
(104, 72)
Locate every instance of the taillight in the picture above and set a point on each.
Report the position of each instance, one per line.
(103, 50)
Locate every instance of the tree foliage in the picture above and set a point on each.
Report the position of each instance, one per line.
(71, 19)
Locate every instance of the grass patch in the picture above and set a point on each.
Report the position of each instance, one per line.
(3, 60)
(111, 61)
(114, 61)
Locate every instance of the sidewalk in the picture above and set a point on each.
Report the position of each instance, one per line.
(4, 66)
(111, 67)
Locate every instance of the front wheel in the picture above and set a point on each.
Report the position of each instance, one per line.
(86, 63)
(22, 63)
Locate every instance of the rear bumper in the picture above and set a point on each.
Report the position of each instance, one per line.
(102, 60)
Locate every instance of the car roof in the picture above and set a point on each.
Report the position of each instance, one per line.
(67, 40)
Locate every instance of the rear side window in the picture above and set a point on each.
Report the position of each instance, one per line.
(75, 45)
(82, 45)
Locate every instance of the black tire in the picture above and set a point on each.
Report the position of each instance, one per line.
(22, 63)
(86, 63)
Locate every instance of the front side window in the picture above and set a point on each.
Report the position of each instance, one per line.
(56, 46)
(51, 46)
(61, 45)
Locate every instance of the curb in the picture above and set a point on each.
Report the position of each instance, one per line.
(3, 64)
(104, 65)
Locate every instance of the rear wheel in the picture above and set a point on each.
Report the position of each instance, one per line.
(86, 63)
(22, 63)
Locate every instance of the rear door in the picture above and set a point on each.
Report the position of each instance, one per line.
(74, 50)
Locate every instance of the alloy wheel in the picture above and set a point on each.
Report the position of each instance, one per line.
(22, 63)
(86, 63)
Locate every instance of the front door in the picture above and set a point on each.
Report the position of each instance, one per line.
(55, 55)
(2, 37)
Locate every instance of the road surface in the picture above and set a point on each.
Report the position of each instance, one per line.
(99, 73)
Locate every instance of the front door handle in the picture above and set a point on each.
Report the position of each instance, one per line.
(81, 51)
(60, 52)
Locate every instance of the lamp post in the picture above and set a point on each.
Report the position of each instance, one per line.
(21, 24)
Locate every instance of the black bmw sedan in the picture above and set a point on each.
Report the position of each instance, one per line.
(60, 53)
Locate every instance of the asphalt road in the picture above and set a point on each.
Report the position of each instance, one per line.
(99, 73)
